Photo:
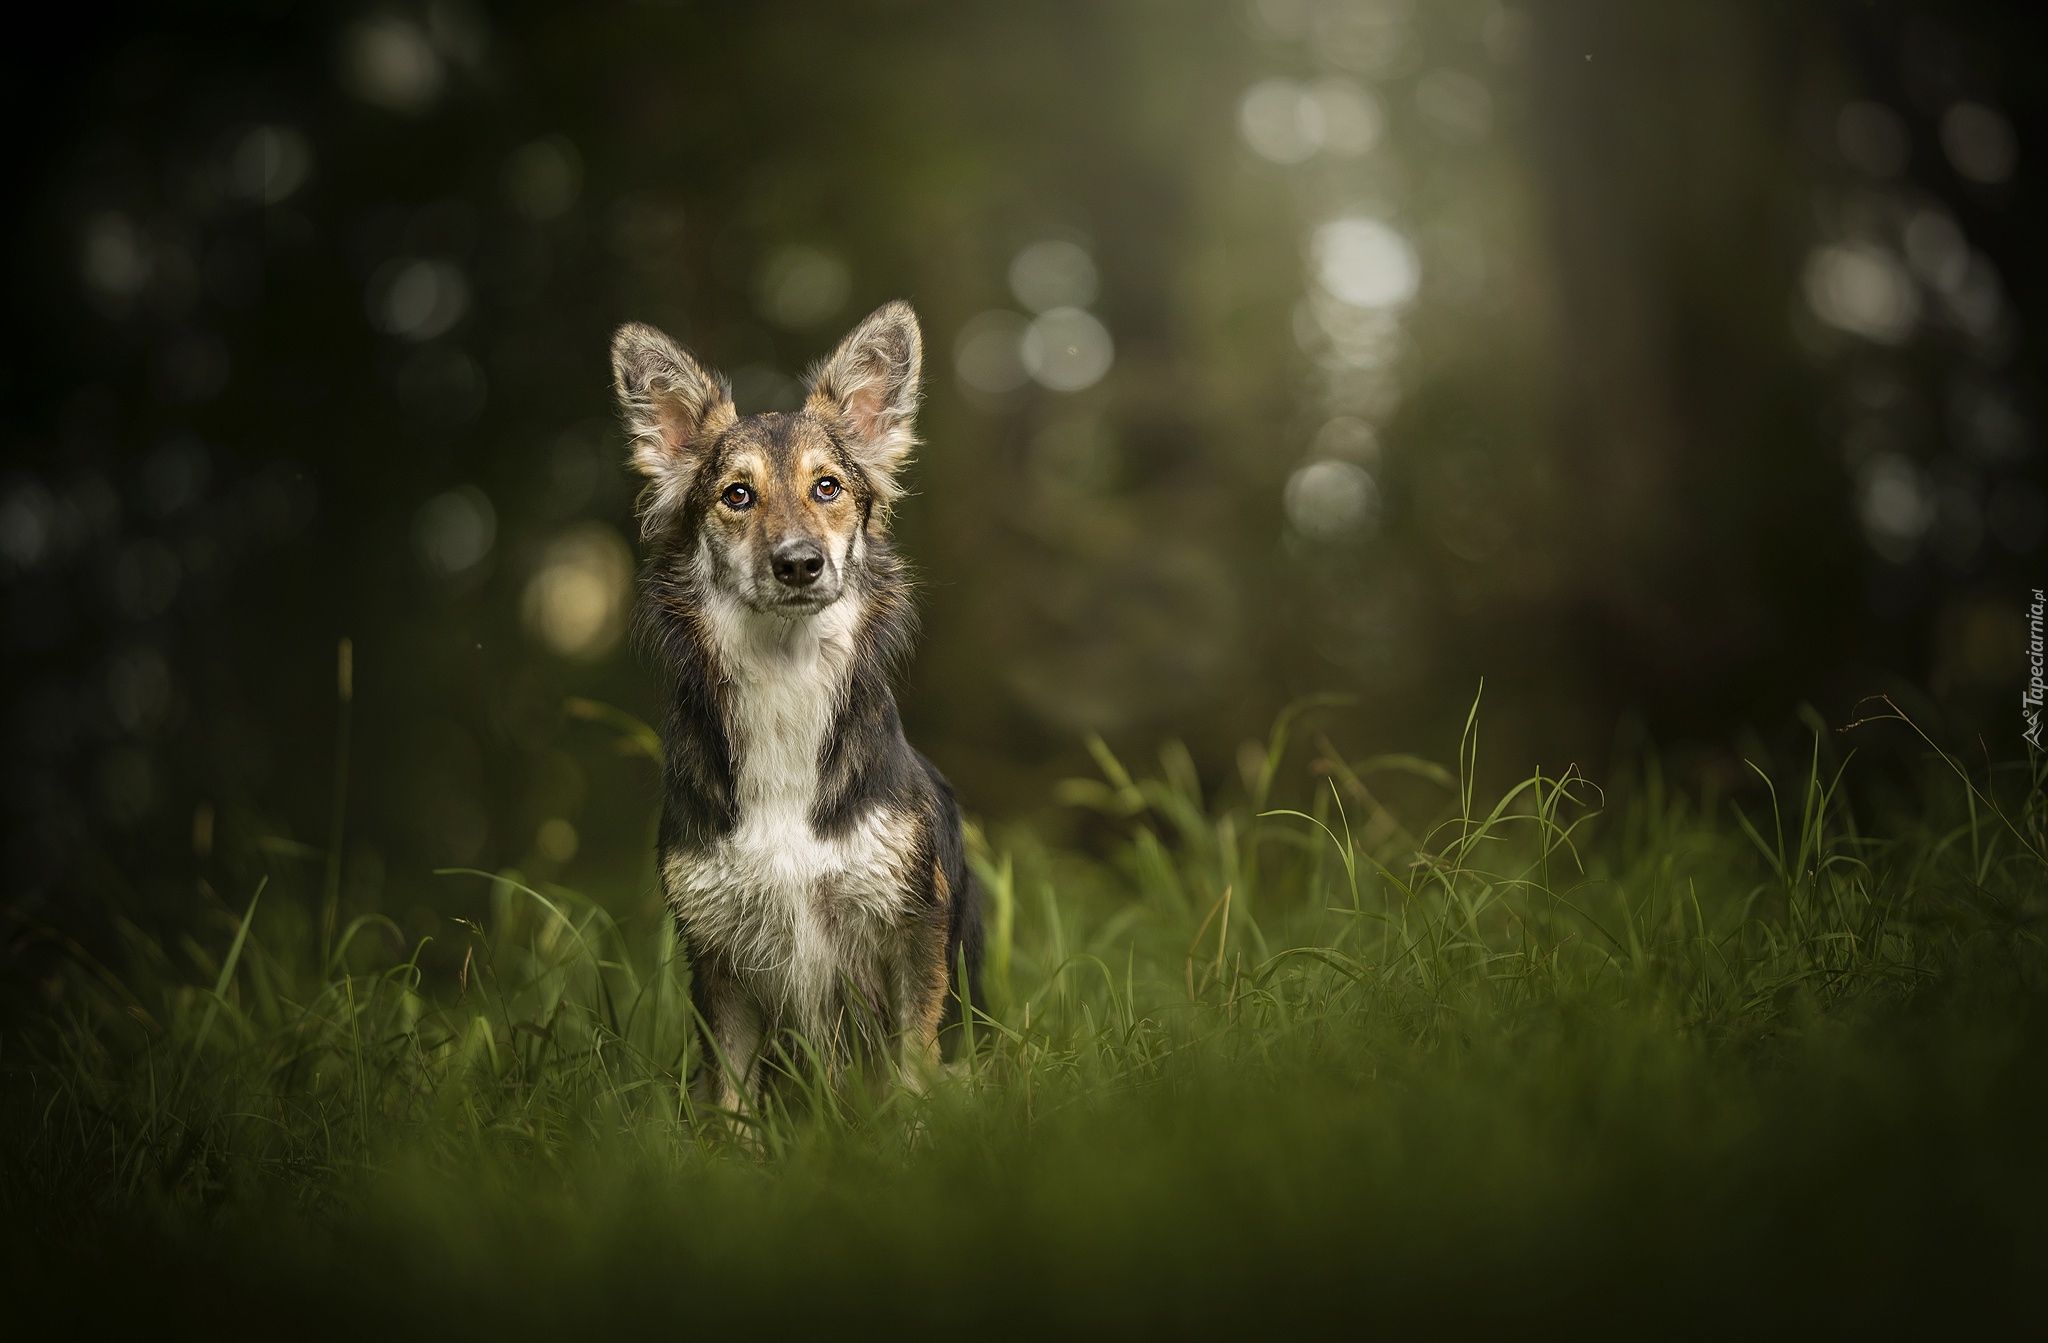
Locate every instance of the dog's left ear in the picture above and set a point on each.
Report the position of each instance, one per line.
(871, 384)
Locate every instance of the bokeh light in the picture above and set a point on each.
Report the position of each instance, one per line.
(418, 298)
(1052, 274)
(1365, 263)
(556, 840)
(1067, 349)
(1278, 121)
(115, 256)
(1895, 507)
(577, 599)
(1862, 289)
(453, 532)
(1348, 438)
(1980, 143)
(543, 179)
(271, 163)
(390, 61)
(1349, 118)
(1935, 246)
(27, 523)
(1332, 500)
(1370, 37)
(1455, 105)
(988, 352)
(1286, 122)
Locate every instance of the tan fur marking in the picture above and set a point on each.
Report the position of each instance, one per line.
(922, 995)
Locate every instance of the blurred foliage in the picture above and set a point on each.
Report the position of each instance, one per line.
(1665, 366)
(1465, 1057)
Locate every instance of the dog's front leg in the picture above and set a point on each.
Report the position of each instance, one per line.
(731, 1027)
(920, 992)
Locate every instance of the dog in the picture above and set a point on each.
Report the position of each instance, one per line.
(813, 860)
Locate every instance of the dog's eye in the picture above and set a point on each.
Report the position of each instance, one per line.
(738, 496)
(826, 490)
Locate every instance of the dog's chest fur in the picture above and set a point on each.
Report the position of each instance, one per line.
(792, 910)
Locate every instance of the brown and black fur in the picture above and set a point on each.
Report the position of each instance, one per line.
(780, 621)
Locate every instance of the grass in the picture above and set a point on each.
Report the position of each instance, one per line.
(1279, 1058)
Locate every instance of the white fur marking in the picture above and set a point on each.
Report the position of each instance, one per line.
(792, 910)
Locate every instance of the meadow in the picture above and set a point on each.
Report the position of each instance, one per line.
(1340, 1044)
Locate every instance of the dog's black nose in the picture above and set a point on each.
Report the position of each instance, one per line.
(798, 563)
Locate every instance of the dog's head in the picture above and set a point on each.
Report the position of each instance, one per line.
(777, 510)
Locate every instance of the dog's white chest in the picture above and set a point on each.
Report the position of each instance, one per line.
(794, 911)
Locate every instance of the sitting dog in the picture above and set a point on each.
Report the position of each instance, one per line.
(813, 860)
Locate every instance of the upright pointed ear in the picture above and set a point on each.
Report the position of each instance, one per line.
(672, 406)
(870, 384)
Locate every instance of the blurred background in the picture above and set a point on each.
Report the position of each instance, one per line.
(1667, 366)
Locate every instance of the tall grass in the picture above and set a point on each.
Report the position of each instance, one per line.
(1245, 1051)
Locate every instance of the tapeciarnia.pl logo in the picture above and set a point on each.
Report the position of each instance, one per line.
(2030, 698)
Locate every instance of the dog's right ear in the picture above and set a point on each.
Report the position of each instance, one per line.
(672, 406)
